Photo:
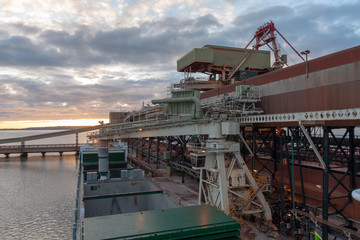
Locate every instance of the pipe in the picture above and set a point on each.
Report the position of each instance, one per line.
(356, 194)
(128, 123)
(196, 111)
(323, 165)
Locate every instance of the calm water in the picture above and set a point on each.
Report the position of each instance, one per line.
(38, 194)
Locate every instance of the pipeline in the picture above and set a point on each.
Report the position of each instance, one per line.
(356, 194)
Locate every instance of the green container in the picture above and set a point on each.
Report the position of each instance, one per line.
(117, 159)
(90, 159)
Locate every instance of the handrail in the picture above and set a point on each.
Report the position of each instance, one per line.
(50, 135)
(77, 210)
(39, 146)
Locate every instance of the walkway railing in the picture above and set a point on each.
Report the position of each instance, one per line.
(40, 148)
(2, 147)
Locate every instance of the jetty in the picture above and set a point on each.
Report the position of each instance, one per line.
(24, 149)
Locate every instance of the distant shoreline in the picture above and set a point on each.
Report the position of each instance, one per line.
(43, 128)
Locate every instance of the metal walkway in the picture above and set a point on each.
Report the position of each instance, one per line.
(49, 135)
(45, 148)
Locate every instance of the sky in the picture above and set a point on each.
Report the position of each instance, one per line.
(71, 62)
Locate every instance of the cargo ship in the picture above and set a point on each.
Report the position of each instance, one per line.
(116, 201)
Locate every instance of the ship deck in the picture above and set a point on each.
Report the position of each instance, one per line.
(194, 222)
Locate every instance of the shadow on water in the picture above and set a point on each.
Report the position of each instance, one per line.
(23, 162)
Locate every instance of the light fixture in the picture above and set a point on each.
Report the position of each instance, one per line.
(305, 52)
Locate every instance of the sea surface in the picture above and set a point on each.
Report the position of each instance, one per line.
(38, 193)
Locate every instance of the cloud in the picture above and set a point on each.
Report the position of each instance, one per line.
(21, 51)
(22, 28)
(152, 43)
(84, 58)
(27, 99)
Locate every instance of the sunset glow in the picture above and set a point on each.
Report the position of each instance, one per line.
(50, 123)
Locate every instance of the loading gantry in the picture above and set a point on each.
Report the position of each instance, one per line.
(225, 180)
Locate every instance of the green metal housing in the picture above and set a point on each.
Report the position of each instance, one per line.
(116, 159)
(195, 222)
(211, 55)
(184, 103)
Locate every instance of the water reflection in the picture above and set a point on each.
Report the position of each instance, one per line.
(37, 197)
(23, 162)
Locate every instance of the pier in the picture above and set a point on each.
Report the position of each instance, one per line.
(24, 150)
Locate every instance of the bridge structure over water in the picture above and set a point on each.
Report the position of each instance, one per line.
(24, 149)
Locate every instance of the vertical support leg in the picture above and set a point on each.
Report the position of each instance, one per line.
(142, 148)
(171, 149)
(282, 133)
(325, 183)
(254, 147)
(288, 160)
(223, 183)
(183, 146)
(351, 163)
(137, 147)
(157, 152)
(297, 141)
(274, 152)
(149, 147)
(201, 186)
(242, 151)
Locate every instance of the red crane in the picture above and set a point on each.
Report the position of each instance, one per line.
(265, 35)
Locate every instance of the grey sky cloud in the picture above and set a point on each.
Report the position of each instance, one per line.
(67, 99)
(44, 68)
(23, 28)
(21, 51)
(135, 45)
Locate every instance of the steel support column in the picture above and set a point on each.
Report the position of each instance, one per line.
(274, 152)
(325, 187)
(296, 133)
(254, 147)
(142, 148)
(351, 162)
(149, 148)
(282, 146)
(157, 152)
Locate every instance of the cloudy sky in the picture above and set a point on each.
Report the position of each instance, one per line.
(61, 61)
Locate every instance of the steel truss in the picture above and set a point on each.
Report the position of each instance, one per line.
(223, 162)
(264, 147)
(152, 150)
(331, 150)
(338, 154)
